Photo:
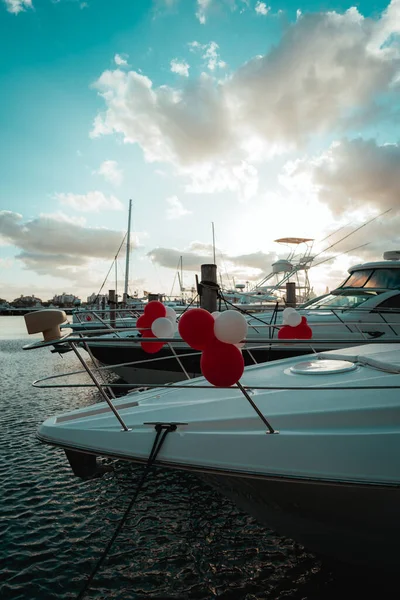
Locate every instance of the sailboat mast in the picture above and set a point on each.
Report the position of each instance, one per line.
(213, 237)
(128, 242)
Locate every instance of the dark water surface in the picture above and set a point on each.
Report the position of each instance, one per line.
(182, 539)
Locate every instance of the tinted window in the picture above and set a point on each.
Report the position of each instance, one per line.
(392, 303)
(357, 279)
(384, 278)
(345, 300)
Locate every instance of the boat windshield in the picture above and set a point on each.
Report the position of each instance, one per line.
(345, 300)
(388, 279)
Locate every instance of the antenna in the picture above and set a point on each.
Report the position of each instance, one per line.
(341, 254)
(351, 233)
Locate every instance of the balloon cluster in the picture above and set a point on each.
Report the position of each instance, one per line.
(157, 321)
(218, 336)
(294, 326)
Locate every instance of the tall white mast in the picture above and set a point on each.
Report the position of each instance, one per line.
(213, 237)
(128, 241)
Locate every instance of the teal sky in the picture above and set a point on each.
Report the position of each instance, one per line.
(267, 119)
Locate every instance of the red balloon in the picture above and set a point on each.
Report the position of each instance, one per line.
(151, 347)
(222, 364)
(196, 327)
(143, 323)
(154, 309)
(303, 332)
(88, 318)
(287, 333)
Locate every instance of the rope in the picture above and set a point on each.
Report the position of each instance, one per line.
(109, 270)
(188, 306)
(241, 310)
(162, 430)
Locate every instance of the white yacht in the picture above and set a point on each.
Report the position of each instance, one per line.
(310, 446)
(366, 306)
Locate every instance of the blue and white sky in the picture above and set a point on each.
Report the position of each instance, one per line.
(269, 119)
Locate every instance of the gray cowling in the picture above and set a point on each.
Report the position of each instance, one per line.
(47, 322)
(391, 255)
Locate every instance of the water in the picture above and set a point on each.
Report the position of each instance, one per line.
(182, 540)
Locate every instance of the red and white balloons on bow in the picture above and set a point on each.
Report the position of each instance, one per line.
(157, 321)
(295, 326)
(217, 336)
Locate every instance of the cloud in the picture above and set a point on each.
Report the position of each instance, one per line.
(261, 8)
(57, 245)
(120, 60)
(327, 69)
(202, 6)
(246, 266)
(181, 68)
(175, 210)
(241, 178)
(350, 175)
(90, 202)
(17, 6)
(209, 53)
(110, 171)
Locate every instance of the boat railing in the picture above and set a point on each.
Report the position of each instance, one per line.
(96, 372)
(105, 316)
(77, 343)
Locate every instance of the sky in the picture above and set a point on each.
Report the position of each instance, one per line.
(269, 120)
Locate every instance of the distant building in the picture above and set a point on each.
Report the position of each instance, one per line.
(65, 300)
(97, 299)
(26, 301)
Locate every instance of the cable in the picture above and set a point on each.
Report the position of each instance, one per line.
(162, 430)
(109, 270)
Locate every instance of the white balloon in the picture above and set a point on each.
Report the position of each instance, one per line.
(170, 313)
(293, 319)
(286, 312)
(230, 327)
(215, 314)
(162, 327)
(240, 345)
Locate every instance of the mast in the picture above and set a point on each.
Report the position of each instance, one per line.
(213, 236)
(128, 240)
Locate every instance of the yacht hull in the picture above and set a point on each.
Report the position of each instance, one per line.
(351, 523)
(348, 522)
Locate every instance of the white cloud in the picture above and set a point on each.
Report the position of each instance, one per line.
(180, 67)
(202, 6)
(120, 60)
(175, 210)
(110, 171)
(250, 266)
(209, 53)
(17, 6)
(90, 202)
(241, 178)
(261, 8)
(57, 245)
(351, 175)
(327, 70)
